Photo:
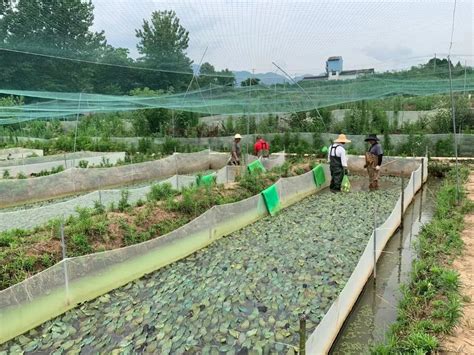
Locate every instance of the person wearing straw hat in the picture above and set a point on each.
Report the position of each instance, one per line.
(373, 161)
(337, 160)
(236, 151)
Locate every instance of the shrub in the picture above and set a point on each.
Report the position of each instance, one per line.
(160, 192)
(123, 204)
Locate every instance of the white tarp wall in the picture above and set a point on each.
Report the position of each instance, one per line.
(327, 330)
(77, 180)
(35, 165)
(19, 153)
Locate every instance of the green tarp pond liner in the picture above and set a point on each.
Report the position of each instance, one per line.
(319, 176)
(256, 166)
(272, 200)
(206, 180)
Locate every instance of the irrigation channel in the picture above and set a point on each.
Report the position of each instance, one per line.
(376, 307)
(245, 292)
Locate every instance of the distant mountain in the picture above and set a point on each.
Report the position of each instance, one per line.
(265, 78)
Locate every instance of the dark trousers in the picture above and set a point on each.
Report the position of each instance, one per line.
(337, 173)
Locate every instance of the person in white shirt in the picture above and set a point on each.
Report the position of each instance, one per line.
(337, 160)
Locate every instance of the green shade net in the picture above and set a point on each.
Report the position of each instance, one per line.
(205, 180)
(272, 200)
(256, 166)
(226, 100)
(319, 176)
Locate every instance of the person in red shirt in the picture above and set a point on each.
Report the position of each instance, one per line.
(261, 147)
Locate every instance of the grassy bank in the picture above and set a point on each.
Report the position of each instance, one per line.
(431, 304)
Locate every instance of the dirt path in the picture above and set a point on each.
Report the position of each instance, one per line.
(462, 339)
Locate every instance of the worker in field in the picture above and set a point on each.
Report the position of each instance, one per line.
(337, 160)
(236, 151)
(261, 148)
(373, 160)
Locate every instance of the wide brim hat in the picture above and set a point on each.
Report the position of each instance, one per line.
(342, 139)
(371, 137)
(237, 136)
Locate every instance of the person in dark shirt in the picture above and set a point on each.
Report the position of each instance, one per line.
(373, 160)
(236, 151)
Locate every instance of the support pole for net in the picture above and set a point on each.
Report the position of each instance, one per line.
(63, 247)
(375, 245)
(304, 91)
(453, 111)
(302, 334)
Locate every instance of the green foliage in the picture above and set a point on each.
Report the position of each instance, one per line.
(250, 82)
(6, 174)
(123, 203)
(83, 164)
(253, 182)
(431, 303)
(159, 192)
(21, 175)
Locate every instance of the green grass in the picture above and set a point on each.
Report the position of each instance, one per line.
(431, 304)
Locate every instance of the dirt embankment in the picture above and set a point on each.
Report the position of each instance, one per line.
(462, 339)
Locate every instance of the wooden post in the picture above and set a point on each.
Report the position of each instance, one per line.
(66, 277)
(302, 334)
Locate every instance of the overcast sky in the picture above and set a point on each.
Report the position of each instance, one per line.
(300, 35)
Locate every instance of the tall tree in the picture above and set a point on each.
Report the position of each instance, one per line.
(162, 44)
(208, 74)
(44, 31)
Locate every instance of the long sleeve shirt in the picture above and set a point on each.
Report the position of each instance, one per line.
(338, 152)
(377, 150)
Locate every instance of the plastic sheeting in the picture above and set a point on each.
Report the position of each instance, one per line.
(35, 165)
(326, 332)
(59, 288)
(75, 180)
(37, 216)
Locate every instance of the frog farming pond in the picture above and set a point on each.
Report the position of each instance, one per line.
(242, 294)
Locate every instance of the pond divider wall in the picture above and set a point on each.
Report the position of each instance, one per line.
(36, 216)
(29, 166)
(321, 339)
(77, 180)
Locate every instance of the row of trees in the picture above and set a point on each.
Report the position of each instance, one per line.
(50, 45)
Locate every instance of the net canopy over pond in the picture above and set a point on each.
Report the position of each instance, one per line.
(226, 100)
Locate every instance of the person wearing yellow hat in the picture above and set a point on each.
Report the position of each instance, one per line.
(236, 150)
(337, 160)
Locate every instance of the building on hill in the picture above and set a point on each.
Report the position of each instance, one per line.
(334, 66)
